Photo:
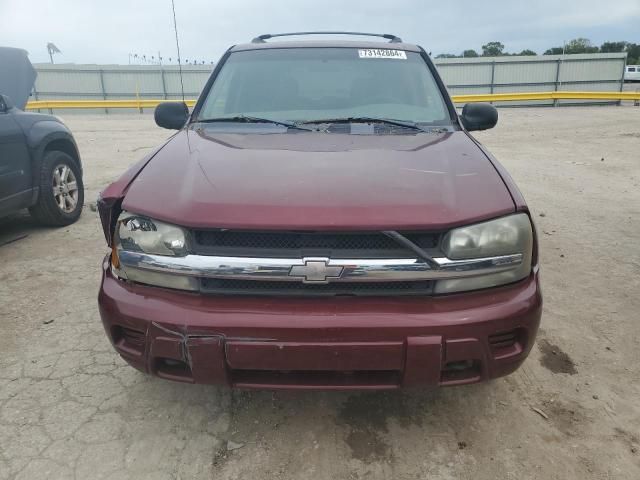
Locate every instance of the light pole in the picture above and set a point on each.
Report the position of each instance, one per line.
(51, 48)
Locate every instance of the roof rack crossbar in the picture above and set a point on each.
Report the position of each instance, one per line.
(266, 36)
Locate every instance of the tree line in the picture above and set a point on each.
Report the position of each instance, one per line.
(577, 45)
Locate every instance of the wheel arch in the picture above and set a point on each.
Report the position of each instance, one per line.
(47, 136)
(65, 145)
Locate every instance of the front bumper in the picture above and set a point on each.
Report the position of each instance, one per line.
(328, 343)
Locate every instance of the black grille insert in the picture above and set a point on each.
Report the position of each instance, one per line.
(278, 244)
(128, 340)
(257, 287)
(503, 340)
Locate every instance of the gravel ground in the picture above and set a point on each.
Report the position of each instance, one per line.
(70, 408)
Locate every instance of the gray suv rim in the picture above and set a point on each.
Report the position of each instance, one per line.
(65, 188)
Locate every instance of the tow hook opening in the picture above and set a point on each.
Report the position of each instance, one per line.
(173, 369)
(459, 371)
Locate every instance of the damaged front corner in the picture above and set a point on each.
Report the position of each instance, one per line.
(203, 353)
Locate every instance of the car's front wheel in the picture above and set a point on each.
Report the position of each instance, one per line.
(61, 195)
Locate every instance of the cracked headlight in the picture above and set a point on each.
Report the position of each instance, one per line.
(137, 233)
(503, 236)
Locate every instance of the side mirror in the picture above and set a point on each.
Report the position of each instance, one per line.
(479, 116)
(5, 104)
(171, 115)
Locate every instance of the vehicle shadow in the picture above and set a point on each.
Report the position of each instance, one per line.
(377, 427)
(17, 226)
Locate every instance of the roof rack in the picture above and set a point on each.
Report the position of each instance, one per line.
(266, 36)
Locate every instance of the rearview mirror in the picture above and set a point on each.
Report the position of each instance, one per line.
(479, 116)
(171, 115)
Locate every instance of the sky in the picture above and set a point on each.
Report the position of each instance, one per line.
(106, 32)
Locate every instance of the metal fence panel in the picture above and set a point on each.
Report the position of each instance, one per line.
(140, 83)
(72, 82)
(583, 72)
(466, 73)
(604, 70)
(193, 82)
(526, 73)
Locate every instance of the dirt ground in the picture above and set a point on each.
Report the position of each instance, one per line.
(70, 408)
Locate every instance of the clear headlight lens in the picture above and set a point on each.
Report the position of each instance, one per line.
(142, 234)
(503, 236)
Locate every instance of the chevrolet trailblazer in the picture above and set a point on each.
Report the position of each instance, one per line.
(322, 218)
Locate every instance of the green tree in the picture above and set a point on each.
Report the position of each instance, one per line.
(577, 45)
(633, 53)
(470, 54)
(527, 52)
(554, 51)
(446, 55)
(613, 47)
(492, 49)
(580, 45)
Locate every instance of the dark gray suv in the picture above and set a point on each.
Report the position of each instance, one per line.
(40, 167)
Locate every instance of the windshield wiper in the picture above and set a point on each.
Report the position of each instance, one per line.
(249, 119)
(388, 121)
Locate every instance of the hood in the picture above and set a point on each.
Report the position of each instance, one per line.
(17, 75)
(314, 180)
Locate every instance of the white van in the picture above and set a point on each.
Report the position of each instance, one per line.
(632, 73)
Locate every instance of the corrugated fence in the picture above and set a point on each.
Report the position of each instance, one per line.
(463, 76)
(483, 75)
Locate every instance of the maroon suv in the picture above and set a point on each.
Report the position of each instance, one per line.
(321, 219)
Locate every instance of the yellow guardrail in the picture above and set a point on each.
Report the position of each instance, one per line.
(514, 97)
(84, 104)
(489, 97)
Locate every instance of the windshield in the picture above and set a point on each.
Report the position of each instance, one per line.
(309, 84)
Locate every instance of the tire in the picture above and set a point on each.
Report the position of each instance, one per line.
(61, 191)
